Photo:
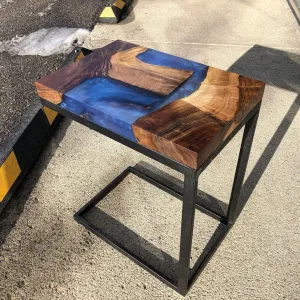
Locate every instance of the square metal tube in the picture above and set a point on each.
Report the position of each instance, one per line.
(185, 277)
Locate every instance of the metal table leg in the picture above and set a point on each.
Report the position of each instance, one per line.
(241, 166)
(187, 226)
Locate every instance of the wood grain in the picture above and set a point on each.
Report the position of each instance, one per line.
(117, 60)
(178, 130)
(53, 86)
(190, 129)
(126, 67)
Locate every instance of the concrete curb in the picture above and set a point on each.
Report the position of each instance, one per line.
(295, 10)
(26, 142)
(114, 12)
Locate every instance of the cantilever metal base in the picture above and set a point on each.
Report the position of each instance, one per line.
(173, 190)
(189, 194)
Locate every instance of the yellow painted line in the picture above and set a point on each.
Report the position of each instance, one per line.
(119, 4)
(80, 56)
(50, 114)
(107, 13)
(9, 172)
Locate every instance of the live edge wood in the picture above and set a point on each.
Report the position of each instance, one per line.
(190, 129)
(118, 61)
(190, 112)
(126, 67)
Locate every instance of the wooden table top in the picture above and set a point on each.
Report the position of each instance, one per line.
(171, 105)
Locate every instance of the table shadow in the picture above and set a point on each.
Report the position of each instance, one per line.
(280, 69)
(136, 245)
(16, 204)
(203, 199)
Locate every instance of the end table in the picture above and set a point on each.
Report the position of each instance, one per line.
(175, 111)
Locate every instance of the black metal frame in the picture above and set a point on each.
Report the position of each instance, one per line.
(186, 276)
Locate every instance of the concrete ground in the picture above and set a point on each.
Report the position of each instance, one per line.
(47, 255)
(295, 7)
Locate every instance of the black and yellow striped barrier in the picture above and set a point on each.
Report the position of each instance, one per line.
(17, 159)
(114, 12)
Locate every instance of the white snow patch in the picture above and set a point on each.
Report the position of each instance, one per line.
(46, 10)
(46, 42)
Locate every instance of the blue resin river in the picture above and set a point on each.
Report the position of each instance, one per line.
(116, 105)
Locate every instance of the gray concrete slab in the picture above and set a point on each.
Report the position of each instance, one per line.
(47, 255)
(268, 23)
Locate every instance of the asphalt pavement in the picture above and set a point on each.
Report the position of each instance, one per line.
(17, 73)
